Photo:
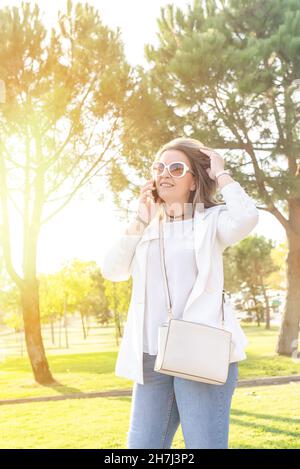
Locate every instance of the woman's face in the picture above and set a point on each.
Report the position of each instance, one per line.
(180, 188)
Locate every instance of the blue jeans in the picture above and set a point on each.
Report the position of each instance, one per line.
(164, 401)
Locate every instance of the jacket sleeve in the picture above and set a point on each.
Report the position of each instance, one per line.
(116, 265)
(241, 215)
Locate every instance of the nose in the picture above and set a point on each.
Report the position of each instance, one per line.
(163, 173)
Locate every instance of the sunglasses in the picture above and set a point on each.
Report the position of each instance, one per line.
(177, 169)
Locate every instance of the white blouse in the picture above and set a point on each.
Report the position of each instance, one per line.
(181, 271)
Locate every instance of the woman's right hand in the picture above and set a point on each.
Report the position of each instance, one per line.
(147, 207)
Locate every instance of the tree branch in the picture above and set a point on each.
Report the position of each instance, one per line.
(259, 175)
(84, 178)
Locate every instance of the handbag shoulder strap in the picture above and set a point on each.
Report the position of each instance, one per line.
(163, 265)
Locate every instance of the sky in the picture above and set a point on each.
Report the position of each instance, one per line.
(87, 227)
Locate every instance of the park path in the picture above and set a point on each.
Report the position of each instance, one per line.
(128, 392)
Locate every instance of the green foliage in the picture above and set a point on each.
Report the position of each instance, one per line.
(118, 295)
(77, 287)
(226, 74)
(10, 310)
(248, 266)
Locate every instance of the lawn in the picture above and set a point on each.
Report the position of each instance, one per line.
(94, 371)
(261, 417)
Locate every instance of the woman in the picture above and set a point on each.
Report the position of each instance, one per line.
(197, 229)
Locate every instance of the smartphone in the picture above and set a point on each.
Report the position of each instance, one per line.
(155, 193)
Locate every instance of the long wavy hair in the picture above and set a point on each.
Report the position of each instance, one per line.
(206, 188)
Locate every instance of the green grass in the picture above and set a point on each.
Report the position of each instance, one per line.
(261, 417)
(94, 371)
(261, 357)
(266, 417)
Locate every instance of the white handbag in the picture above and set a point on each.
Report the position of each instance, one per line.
(191, 350)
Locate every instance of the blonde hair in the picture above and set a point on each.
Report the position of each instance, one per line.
(206, 188)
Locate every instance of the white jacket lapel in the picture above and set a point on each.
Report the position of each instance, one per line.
(202, 254)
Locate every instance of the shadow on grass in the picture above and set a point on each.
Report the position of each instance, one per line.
(62, 388)
(265, 427)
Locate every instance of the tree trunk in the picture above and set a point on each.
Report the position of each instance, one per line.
(116, 320)
(83, 325)
(32, 329)
(118, 325)
(66, 328)
(289, 329)
(88, 324)
(267, 315)
(59, 335)
(268, 319)
(256, 310)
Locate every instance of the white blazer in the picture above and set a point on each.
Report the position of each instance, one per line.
(215, 228)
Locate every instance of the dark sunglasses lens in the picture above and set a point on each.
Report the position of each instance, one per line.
(176, 169)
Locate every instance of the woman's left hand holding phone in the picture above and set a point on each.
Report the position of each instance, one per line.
(149, 201)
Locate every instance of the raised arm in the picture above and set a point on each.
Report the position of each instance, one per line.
(241, 215)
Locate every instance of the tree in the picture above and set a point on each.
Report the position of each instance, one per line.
(76, 287)
(118, 298)
(59, 128)
(51, 300)
(10, 306)
(227, 73)
(96, 303)
(248, 266)
(81, 283)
